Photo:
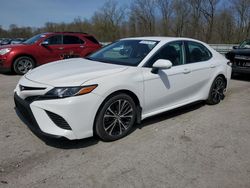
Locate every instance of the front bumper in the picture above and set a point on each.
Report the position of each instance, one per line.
(78, 112)
(5, 64)
(23, 109)
(238, 69)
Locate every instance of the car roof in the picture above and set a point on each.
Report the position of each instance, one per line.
(161, 39)
(69, 32)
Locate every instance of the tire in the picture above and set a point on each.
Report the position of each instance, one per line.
(111, 123)
(23, 64)
(216, 93)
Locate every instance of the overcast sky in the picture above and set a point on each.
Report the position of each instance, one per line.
(35, 13)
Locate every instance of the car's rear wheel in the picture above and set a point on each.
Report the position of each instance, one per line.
(23, 64)
(216, 93)
(115, 118)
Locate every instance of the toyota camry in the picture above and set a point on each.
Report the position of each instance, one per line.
(110, 91)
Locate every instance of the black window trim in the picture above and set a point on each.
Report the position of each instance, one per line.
(186, 48)
(183, 54)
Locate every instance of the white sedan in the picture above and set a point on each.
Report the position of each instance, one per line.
(121, 84)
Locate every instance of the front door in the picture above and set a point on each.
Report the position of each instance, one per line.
(52, 51)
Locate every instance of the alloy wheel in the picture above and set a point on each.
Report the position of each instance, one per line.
(118, 117)
(217, 93)
(24, 65)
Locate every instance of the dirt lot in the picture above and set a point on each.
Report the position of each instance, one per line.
(197, 146)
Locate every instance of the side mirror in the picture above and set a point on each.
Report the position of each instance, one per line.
(161, 64)
(235, 47)
(45, 43)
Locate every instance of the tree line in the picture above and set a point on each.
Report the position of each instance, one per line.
(212, 21)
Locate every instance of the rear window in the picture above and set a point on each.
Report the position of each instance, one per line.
(69, 39)
(92, 39)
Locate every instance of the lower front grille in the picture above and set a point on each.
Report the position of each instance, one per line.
(58, 120)
(24, 109)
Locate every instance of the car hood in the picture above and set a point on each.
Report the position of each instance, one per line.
(241, 51)
(72, 72)
(11, 46)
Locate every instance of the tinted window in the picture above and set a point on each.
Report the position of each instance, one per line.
(172, 52)
(196, 52)
(56, 39)
(245, 44)
(68, 39)
(92, 39)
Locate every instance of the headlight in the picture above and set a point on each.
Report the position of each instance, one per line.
(62, 92)
(5, 51)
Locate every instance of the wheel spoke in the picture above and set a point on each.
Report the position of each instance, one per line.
(110, 132)
(109, 109)
(120, 127)
(128, 111)
(109, 116)
(112, 124)
(123, 125)
(124, 105)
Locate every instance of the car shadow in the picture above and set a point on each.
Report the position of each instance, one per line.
(170, 114)
(63, 143)
(242, 77)
(8, 73)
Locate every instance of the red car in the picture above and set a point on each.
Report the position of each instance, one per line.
(45, 48)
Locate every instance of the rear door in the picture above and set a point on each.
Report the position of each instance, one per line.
(73, 46)
(201, 66)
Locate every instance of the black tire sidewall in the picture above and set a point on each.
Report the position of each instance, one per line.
(99, 129)
(16, 62)
(210, 98)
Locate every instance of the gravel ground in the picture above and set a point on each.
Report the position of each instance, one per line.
(196, 146)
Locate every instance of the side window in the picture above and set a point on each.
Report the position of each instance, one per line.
(172, 51)
(92, 39)
(196, 52)
(68, 39)
(54, 40)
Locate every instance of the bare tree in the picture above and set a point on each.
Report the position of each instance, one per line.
(208, 8)
(143, 13)
(242, 16)
(166, 10)
(225, 26)
(107, 20)
(181, 12)
(195, 21)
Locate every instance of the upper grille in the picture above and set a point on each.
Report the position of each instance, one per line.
(26, 88)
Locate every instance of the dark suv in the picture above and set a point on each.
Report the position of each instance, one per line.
(240, 57)
(45, 48)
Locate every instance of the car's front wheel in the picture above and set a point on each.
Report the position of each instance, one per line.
(216, 93)
(23, 64)
(115, 118)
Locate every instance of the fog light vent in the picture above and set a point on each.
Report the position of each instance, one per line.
(58, 120)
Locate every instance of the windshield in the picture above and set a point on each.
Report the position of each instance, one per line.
(245, 44)
(124, 52)
(34, 39)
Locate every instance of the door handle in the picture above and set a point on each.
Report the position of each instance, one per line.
(186, 71)
(212, 66)
(81, 46)
(60, 48)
